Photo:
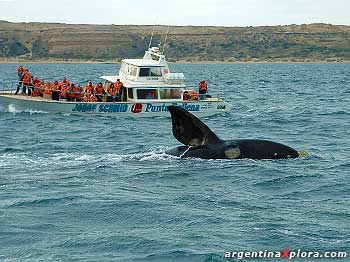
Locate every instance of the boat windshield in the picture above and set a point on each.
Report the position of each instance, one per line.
(147, 93)
(150, 71)
(170, 93)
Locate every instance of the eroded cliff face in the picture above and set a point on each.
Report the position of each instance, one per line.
(315, 42)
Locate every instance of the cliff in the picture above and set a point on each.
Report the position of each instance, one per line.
(38, 41)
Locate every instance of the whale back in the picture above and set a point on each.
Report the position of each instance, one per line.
(189, 130)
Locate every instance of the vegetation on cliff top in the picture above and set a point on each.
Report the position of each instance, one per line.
(291, 43)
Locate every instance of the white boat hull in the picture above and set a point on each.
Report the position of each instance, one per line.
(135, 109)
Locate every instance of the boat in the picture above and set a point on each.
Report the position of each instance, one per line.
(140, 78)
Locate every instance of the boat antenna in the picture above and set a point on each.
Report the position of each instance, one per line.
(150, 41)
(166, 37)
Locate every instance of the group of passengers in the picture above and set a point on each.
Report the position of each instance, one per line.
(64, 90)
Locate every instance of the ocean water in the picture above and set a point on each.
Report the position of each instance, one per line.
(101, 188)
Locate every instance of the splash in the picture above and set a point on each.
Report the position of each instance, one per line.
(303, 153)
(12, 109)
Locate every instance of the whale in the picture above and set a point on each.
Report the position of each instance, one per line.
(200, 142)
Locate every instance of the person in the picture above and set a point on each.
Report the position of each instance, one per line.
(186, 96)
(89, 89)
(151, 94)
(47, 90)
(55, 90)
(36, 87)
(26, 80)
(71, 93)
(65, 88)
(79, 93)
(99, 92)
(118, 89)
(111, 90)
(20, 71)
(65, 81)
(90, 98)
(203, 87)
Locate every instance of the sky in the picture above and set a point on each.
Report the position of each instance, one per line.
(178, 12)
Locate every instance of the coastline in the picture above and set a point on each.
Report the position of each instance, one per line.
(73, 61)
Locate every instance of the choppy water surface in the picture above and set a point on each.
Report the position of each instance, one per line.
(99, 188)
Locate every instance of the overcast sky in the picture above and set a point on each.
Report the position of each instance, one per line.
(178, 12)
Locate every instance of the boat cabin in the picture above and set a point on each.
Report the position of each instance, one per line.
(149, 78)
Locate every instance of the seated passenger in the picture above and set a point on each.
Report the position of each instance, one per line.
(151, 95)
(56, 90)
(99, 92)
(111, 93)
(203, 87)
(47, 90)
(79, 93)
(90, 98)
(72, 92)
(186, 96)
(89, 89)
(36, 88)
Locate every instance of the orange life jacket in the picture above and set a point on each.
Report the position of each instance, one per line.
(194, 95)
(78, 92)
(37, 88)
(47, 89)
(90, 98)
(111, 90)
(26, 78)
(89, 89)
(203, 86)
(55, 87)
(99, 89)
(118, 85)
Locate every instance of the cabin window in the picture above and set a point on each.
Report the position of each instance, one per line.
(156, 71)
(147, 94)
(133, 71)
(130, 93)
(150, 71)
(170, 93)
(124, 68)
(144, 71)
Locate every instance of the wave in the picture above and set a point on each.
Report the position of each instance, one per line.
(40, 202)
(12, 109)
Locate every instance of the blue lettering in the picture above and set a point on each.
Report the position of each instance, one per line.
(112, 108)
(157, 108)
(84, 108)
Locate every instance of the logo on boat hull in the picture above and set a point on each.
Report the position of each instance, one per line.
(164, 107)
(103, 108)
(136, 108)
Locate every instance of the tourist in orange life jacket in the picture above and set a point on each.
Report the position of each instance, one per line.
(79, 93)
(65, 81)
(71, 92)
(203, 87)
(186, 96)
(89, 89)
(20, 71)
(99, 92)
(55, 90)
(36, 87)
(26, 80)
(90, 98)
(65, 89)
(118, 90)
(111, 90)
(47, 90)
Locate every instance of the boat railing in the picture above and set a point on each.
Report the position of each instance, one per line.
(8, 86)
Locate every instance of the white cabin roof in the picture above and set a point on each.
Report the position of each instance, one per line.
(142, 62)
(110, 78)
